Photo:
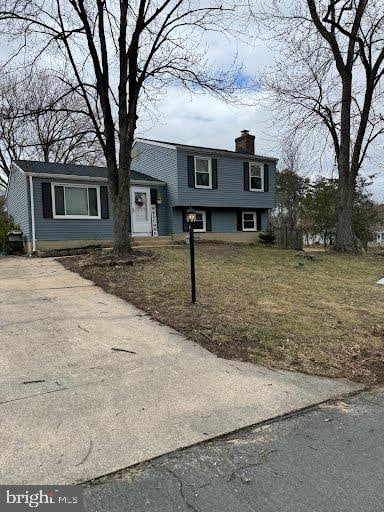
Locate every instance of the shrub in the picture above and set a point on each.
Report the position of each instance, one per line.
(6, 224)
(267, 238)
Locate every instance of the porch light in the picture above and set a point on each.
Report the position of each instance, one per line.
(191, 216)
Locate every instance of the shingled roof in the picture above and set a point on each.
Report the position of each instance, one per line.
(34, 167)
(204, 149)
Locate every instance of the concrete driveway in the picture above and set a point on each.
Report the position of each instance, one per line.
(72, 408)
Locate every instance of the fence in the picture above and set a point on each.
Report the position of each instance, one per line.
(287, 238)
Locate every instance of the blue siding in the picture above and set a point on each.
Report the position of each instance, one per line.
(87, 229)
(18, 201)
(171, 166)
(230, 191)
(69, 229)
(224, 220)
(161, 163)
(163, 212)
(264, 221)
(177, 220)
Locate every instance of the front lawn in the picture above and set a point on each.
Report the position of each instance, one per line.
(264, 305)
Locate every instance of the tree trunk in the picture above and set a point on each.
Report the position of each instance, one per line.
(122, 224)
(346, 240)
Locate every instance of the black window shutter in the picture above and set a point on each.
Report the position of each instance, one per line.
(266, 178)
(258, 218)
(153, 195)
(47, 200)
(191, 171)
(104, 202)
(185, 223)
(214, 172)
(239, 220)
(246, 175)
(208, 220)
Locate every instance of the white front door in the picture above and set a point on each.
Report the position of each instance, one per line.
(141, 211)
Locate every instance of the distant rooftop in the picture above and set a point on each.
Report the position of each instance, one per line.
(205, 149)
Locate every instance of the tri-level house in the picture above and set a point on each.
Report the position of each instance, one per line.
(68, 206)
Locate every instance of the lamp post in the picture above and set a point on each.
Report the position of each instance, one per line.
(191, 219)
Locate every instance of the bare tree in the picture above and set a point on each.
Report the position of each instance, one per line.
(291, 188)
(31, 129)
(118, 50)
(12, 135)
(328, 82)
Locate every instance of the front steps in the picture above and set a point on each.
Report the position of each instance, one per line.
(153, 241)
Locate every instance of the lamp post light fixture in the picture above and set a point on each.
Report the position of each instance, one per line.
(191, 219)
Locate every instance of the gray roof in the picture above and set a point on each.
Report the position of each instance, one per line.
(224, 152)
(30, 166)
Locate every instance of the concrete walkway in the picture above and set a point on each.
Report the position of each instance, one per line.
(73, 409)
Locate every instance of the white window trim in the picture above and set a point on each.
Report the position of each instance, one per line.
(209, 160)
(204, 215)
(262, 177)
(76, 185)
(254, 221)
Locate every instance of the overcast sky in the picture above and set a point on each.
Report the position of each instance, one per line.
(206, 121)
(203, 120)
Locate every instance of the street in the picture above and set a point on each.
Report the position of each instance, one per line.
(330, 458)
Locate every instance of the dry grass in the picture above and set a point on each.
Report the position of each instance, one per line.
(259, 304)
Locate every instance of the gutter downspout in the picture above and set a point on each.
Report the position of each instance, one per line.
(32, 214)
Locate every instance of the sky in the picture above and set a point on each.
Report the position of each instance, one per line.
(201, 119)
(205, 121)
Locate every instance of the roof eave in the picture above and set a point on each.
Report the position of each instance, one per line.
(156, 143)
(89, 178)
(224, 152)
(230, 154)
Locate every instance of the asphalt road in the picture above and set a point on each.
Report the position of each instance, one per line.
(330, 458)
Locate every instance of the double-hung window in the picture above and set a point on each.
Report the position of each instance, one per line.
(200, 224)
(256, 177)
(203, 172)
(249, 221)
(76, 201)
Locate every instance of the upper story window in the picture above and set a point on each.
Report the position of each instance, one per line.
(256, 177)
(76, 201)
(203, 172)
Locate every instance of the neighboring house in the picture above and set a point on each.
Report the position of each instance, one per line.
(67, 206)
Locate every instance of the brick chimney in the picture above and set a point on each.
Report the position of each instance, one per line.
(245, 143)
